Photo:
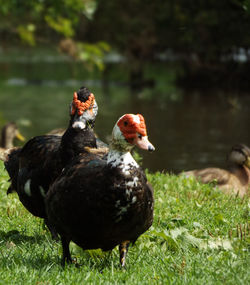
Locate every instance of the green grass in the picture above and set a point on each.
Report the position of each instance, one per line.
(199, 236)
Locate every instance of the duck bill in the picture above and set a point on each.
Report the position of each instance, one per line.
(144, 143)
(85, 120)
(247, 163)
(79, 123)
(20, 137)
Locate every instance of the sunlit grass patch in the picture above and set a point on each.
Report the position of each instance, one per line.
(199, 236)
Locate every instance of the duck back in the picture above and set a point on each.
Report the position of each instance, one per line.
(97, 206)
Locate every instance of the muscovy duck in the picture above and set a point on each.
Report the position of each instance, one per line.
(235, 180)
(37, 164)
(104, 202)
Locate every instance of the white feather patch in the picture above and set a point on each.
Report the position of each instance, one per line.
(136, 119)
(133, 183)
(124, 161)
(134, 199)
(42, 191)
(79, 125)
(27, 189)
(128, 192)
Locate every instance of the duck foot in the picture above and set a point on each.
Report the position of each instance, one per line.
(74, 261)
(123, 249)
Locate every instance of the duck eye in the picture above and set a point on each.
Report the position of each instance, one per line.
(125, 123)
(140, 136)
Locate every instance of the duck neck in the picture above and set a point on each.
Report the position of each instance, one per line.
(6, 142)
(121, 159)
(242, 172)
(74, 141)
(247, 172)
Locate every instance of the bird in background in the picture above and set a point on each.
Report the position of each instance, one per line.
(9, 133)
(235, 179)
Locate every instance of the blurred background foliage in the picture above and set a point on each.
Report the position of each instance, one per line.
(51, 23)
(183, 64)
(209, 38)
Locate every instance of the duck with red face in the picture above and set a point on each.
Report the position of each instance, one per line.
(36, 165)
(111, 199)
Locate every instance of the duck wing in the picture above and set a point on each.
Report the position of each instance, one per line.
(97, 206)
(207, 175)
(11, 164)
(39, 165)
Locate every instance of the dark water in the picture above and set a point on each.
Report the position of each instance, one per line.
(188, 129)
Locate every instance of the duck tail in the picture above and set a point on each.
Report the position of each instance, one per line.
(10, 190)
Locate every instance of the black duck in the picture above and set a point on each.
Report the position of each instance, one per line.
(35, 166)
(104, 202)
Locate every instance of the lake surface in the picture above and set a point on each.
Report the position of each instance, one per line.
(188, 129)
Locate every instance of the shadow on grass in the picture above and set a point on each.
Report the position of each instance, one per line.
(43, 255)
(19, 250)
(32, 261)
(94, 260)
(17, 238)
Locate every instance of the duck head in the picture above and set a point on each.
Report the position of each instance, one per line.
(130, 130)
(240, 155)
(83, 109)
(9, 133)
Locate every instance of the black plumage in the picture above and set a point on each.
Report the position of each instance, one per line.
(34, 167)
(102, 202)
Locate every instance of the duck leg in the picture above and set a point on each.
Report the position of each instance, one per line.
(66, 253)
(52, 230)
(123, 249)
